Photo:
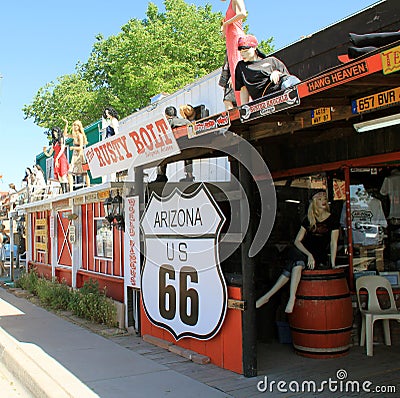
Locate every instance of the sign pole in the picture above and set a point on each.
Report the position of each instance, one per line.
(248, 271)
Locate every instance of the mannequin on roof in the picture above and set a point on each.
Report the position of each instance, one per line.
(76, 168)
(232, 29)
(60, 157)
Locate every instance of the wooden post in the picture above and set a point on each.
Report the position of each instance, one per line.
(248, 270)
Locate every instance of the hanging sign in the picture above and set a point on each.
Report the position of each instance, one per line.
(183, 288)
(209, 125)
(135, 145)
(391, 60)
(336, 77)
(72, 233)
(132, 242)
(270, 104)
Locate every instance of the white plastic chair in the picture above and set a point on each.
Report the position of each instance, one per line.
(374, 311)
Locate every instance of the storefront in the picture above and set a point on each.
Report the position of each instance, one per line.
(336, 131)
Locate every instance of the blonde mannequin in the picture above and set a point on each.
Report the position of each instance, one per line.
(318, 230)
(78, 157)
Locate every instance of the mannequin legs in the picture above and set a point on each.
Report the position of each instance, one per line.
(3, 269)
(282, 280)
(64, 187)
(354, 52)
(71, 182)
(294, 283)
(374, 39)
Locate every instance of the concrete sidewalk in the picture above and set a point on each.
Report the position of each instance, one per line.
(56, 358)
(126, 365)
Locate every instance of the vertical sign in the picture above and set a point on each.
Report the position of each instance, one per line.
(132, 242)
(183, 288)
(51, 220)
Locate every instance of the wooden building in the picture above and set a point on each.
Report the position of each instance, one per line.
(337, 130)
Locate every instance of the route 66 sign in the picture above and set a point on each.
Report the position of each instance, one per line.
(183, 288)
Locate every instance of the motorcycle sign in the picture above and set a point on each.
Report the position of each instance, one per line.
(183, 288)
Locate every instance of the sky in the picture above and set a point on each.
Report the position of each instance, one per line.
(43, 40)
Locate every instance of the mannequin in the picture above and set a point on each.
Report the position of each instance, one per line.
(258, 75)
(391, 187)
(318, 231)
(110, 116)
(60, 158)
(78, 156)
(232, 29)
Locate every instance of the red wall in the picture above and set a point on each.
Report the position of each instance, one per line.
(114, 287)
(224, 350)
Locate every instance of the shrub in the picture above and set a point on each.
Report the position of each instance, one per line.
(53, 294)
(28, 281)
(88, 302)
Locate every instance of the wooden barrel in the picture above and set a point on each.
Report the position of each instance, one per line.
(322, 317)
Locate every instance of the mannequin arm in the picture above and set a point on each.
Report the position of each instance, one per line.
(298, 243)
(333, 246)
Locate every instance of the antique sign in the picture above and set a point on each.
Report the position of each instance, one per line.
(391, 60)
(72, 233)
(132, 242)
(183, 288)
(136, 145)
(41, 234)
(209, 125)
(270, 104)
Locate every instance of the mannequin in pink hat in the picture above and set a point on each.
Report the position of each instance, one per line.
(257, 75)
(232, 29)
(317, 236)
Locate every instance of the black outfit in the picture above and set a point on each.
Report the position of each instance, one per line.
(109, 131)
(224, 81)
(316, 241)
(255, 76)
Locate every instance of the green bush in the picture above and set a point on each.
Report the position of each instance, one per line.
(28, 281)
(88, 302)
(53, 294)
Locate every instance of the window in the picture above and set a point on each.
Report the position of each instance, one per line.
(104, 239)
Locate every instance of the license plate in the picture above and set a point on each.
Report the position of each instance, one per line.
(320, 115)
(376, 101)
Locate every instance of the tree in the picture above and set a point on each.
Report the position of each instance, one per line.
(161, 53)
(71, 97)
